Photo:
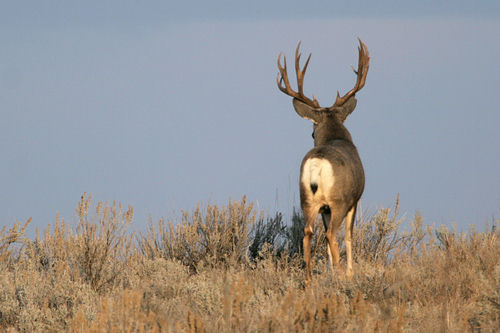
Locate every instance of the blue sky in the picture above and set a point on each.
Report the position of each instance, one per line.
(166, 105)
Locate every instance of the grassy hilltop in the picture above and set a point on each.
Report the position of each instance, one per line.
(230, 269)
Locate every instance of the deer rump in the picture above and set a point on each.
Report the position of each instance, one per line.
(331, 175)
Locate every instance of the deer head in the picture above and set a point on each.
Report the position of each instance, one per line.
(327, 117)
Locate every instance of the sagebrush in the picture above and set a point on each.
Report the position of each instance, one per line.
(231, 269)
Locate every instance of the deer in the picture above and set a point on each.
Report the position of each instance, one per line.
(332, 178)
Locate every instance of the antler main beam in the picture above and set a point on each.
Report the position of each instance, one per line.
(363, 65)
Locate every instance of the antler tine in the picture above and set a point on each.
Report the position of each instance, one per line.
(363, 65)
(283, 78)
(300, 73)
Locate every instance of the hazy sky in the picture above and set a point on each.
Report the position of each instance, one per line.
(166, 105)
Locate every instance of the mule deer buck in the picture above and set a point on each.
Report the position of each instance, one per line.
(331, 175)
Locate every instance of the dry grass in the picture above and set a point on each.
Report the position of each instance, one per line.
(227, 269)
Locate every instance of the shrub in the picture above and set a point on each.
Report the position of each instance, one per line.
(102, 247)
(14, 235)
(196, 276)
(218, 236)
(271, 233)
(96, 252)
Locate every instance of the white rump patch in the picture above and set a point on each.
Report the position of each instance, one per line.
(318, 171)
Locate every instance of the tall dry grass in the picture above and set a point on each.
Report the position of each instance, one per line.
(229, 269)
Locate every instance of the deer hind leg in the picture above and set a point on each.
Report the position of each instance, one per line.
(326, 216)
(349, 226)
(308, 233)
(335, 220)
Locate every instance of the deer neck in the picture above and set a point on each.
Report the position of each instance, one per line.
(332, 131)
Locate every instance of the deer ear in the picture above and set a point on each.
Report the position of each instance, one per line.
(307, 111)
(343, 111)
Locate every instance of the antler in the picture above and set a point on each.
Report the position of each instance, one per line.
(283, 78)
(363, 65)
